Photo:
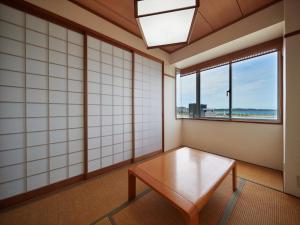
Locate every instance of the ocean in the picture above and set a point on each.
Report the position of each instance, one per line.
(248, 112)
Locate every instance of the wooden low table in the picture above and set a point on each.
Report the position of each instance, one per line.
(186, 177)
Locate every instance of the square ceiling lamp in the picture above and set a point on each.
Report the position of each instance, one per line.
(165, 22)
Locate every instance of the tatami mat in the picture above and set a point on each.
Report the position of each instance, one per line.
(263, 206)
(80, 204)
(152, 209)
(261, 175)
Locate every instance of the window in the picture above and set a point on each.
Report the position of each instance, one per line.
(240, 90)
(186, 96)
(214, 98)
(254, 88)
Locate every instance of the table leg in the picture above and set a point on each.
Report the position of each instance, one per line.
(193, 219)
(234, 178)
(131, 186)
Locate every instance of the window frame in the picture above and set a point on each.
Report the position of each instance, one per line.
(176, 92)
(252, 52)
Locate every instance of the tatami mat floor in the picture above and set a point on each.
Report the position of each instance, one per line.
(103, 201)
(261, 175)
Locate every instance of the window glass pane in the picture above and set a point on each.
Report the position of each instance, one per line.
(254, 88)
(186, 96)
(214, 84)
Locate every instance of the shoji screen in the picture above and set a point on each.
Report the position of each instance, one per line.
(109, 104)
(147, 105)
(41, 103)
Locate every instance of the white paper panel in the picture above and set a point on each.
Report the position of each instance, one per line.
(75, 170)
(37, 24)
(35, 104)
(57, 31)
(58, 58)
(75, 37)
(12, 15)
(148, 106)
(37, 166)
(12, 157)
(37, 152)
(36, 81)
(12, 188)
(105, 99)
(12, 47)
(57, 44)
(36, 38)
(75, 146)
(10, 62)
(37, 181)
(10, 173)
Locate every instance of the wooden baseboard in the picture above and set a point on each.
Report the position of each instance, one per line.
(17, 199)
(34, 194)
(173, 149)
(149, 155)
(37, 193)
(108, 169)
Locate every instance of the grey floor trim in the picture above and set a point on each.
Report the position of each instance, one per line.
(119, 208)
(231, 204)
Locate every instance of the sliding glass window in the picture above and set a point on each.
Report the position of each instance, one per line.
(214, 98)
(240, 90)
(186, 96)
(255, 88)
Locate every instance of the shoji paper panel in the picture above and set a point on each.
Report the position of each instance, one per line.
(41, 103)
(12, 103)
(147, 105)
(109, 104)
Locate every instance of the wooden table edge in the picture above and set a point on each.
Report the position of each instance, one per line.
(186, 207)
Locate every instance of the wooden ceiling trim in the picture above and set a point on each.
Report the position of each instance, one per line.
(201, 27)
(98, 14)
(219, 12)
(117, 13)
(171, 49)
(249, 6)
(237, 2)
(227, 25)
(211, 26)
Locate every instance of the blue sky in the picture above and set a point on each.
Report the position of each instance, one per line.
(254, 84)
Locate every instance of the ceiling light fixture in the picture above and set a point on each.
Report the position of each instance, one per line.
(165, 22)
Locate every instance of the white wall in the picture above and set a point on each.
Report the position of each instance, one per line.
(172, 126)
(291, 99)
(260, 144)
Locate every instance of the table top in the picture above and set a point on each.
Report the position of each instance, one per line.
(187, 177)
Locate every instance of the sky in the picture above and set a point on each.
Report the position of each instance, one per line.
(254, 85)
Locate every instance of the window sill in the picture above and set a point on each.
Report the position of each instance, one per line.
(275, 122)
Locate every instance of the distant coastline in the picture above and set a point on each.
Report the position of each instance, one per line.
(249, 113)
